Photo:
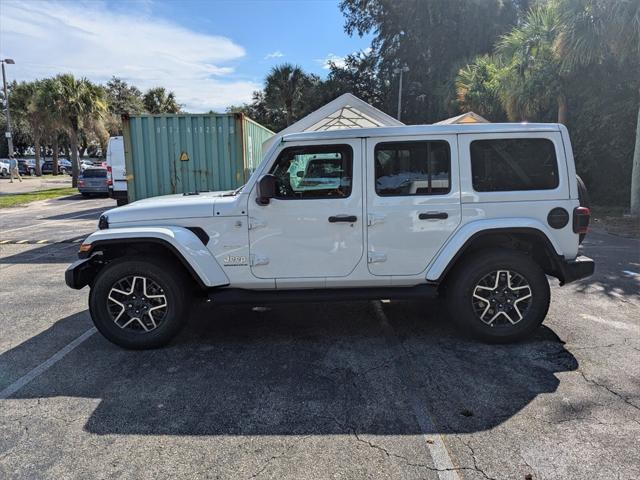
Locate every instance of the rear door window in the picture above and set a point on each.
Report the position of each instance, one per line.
(501, 165)
(413, 168)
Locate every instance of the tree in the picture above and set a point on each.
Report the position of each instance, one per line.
(24, 107)
(80, 102)
(284, 90)
(123, 98)
(478, 87)
(593, 32)
(533, 78)
(157, 100)
(45, 102)
(418, 34)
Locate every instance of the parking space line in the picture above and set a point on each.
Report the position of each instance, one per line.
(42, 241)
(20, 242)
(46, 365)
(47, 222)
(437, 449)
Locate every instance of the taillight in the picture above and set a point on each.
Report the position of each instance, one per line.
(81, 183)
(109, 182)
(581, 216)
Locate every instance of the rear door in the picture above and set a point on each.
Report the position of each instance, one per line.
(413, 201)
(116, 164)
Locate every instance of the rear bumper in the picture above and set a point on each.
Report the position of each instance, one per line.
(103, 190)
(571, 271)
(80, 273)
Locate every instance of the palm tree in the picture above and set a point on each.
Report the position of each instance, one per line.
(594, 30)
(534, 79)
(284, 89)
(157, 100)
(79, 101)
(23, 107)
(45, 102)
(478, 87)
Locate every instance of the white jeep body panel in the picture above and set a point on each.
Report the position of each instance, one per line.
(289, 244)
(185, 242)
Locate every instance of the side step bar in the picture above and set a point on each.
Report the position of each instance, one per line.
(239, 295)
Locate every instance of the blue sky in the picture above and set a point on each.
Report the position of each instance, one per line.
(211, 53)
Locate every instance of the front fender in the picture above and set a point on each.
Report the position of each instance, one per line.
(449, 252)
(182, 241)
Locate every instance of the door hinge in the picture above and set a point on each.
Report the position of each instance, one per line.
(376, 257)
(255, 223)
(258, 260)
(374, 218)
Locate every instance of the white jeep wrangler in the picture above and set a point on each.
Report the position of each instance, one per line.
(478, 213)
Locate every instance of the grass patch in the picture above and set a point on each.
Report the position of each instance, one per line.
(17, 199)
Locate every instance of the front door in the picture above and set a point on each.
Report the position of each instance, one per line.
(413, 201)
(314, 226)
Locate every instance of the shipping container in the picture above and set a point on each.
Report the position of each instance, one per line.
(181, 153)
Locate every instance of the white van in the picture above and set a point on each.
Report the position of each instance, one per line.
(116, 171)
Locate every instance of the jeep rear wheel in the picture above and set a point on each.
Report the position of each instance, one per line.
(498, 296)
(139, 303)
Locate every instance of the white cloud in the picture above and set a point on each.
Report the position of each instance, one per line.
(89, 40)
(329, 59)
(276, 54)
(338, 60)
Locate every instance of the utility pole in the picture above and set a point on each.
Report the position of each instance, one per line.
(400, 71)
(8, 133)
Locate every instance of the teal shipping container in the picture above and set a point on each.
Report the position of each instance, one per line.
(181, 153)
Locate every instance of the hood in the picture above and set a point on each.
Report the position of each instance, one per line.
(166, 207)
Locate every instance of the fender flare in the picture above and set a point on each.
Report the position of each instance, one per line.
(184, 243)
(464, 236)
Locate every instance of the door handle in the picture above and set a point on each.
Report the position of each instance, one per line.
(343, 218)
(433, 216)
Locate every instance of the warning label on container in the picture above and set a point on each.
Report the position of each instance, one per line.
(184, 156)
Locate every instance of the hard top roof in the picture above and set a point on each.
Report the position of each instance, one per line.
(423, 130)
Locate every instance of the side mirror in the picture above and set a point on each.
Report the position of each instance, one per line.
(266, 189)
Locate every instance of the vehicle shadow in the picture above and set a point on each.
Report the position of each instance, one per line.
(89, 214)
(301, 369)
(60, 252)
(613, 256)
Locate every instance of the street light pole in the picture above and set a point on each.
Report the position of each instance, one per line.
(8, 134)
(400, 71)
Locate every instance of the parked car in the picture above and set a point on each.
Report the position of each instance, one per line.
(47, 167)
(117, 170)
(26, 168)
(4, 167)
(93, 181)
(484, 213)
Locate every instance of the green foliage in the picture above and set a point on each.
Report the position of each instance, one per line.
(123, 98)
(478, 88)
(158, 100)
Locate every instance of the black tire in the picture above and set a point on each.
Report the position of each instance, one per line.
(121, 201)
(85, 195)
(469, 274)
(169, 277)
(583, 198)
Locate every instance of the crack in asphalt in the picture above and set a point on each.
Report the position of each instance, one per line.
(613, 392)
(475, 460)
(283, 454)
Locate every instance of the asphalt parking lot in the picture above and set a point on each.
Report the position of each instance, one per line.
(349, 390)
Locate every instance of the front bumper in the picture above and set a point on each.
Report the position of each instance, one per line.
(573, 270)
(80, 273)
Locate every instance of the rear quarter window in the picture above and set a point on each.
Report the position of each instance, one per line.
(502, 165)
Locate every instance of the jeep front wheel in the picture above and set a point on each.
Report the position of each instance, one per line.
(498, 296)
(138, 303)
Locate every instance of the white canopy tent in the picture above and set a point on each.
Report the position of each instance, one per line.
(346, 111)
